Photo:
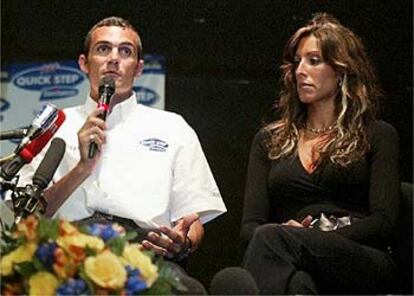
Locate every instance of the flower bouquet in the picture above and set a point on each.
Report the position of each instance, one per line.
(42, 256)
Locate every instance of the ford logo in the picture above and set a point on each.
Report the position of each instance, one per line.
(146, 96)
(38, 79)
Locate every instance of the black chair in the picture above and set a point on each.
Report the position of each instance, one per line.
(402, 248)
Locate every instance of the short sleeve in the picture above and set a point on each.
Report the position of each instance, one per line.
(194, 188)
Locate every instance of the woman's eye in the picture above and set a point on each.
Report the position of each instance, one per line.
(314, 60)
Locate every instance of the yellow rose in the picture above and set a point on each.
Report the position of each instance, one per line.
(67, 228)
(106, 270)
(64, 266)
(43, 283)
(28, 228)
(134, 257)
(21, 254)
(80, 240)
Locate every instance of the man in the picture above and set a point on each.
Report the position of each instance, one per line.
(149, 170)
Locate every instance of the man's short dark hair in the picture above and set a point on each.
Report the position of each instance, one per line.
(108, 22)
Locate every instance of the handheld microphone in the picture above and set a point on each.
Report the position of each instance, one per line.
(106, 91)
(27, 199)
(233, 281)
(25, 153)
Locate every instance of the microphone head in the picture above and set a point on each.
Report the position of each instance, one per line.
(107, 84)
(233, 281)
(49, 164)
(193, 286)
(31, 149)
(46, 116)
(43, 120)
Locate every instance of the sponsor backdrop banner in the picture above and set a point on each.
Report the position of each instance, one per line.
(26, 88)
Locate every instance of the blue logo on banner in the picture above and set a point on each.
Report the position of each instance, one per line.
(146, 96)
(155, 144)
(4, 105)
(53, 80)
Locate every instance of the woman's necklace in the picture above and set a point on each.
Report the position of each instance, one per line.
(320, 130)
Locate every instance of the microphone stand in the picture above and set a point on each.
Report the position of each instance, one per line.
(26, 200)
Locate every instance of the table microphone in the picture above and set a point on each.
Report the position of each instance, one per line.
(193, 286)
(233, 281)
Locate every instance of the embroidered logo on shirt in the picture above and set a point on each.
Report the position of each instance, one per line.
(155, 144)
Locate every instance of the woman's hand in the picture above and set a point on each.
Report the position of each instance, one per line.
(304, 223)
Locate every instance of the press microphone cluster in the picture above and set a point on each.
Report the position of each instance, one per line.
(27, 199)
(42, 129)
(106, 91)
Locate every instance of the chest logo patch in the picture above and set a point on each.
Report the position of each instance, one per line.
(155, 144)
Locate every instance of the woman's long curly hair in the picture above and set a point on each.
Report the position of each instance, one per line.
(355, 102)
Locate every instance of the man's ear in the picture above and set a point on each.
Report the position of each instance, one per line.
(83, 63)
(139, 68)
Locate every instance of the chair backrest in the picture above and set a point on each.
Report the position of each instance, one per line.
(403, 240)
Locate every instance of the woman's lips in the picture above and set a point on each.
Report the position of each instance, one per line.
(304, 85)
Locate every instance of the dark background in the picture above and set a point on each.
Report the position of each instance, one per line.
(222, 70)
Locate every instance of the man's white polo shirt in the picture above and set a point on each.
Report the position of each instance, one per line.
(152, 169)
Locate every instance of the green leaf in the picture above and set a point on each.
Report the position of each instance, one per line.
(90, 251)
(26, 269)
(116, 245)
(7, 242)
(167, 274)
(149, 253)
(82, 275)
(83, 229)
(38, 264)
(130, 235)
(48, 229)
(160, 287)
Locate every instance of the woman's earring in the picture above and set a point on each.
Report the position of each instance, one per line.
(340, 80)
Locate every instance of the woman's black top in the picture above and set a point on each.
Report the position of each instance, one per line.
(279, 190)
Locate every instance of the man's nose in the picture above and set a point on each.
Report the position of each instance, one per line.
(114, 55)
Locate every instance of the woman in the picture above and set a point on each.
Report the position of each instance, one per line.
(322, 192)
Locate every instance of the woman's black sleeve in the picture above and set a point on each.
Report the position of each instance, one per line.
(256, 200)
(384, 190)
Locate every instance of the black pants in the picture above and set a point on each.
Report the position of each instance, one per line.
(292, 260)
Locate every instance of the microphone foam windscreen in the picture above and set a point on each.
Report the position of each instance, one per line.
(49, 164)
(233, 281)
(107, 82)
(193, 286)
